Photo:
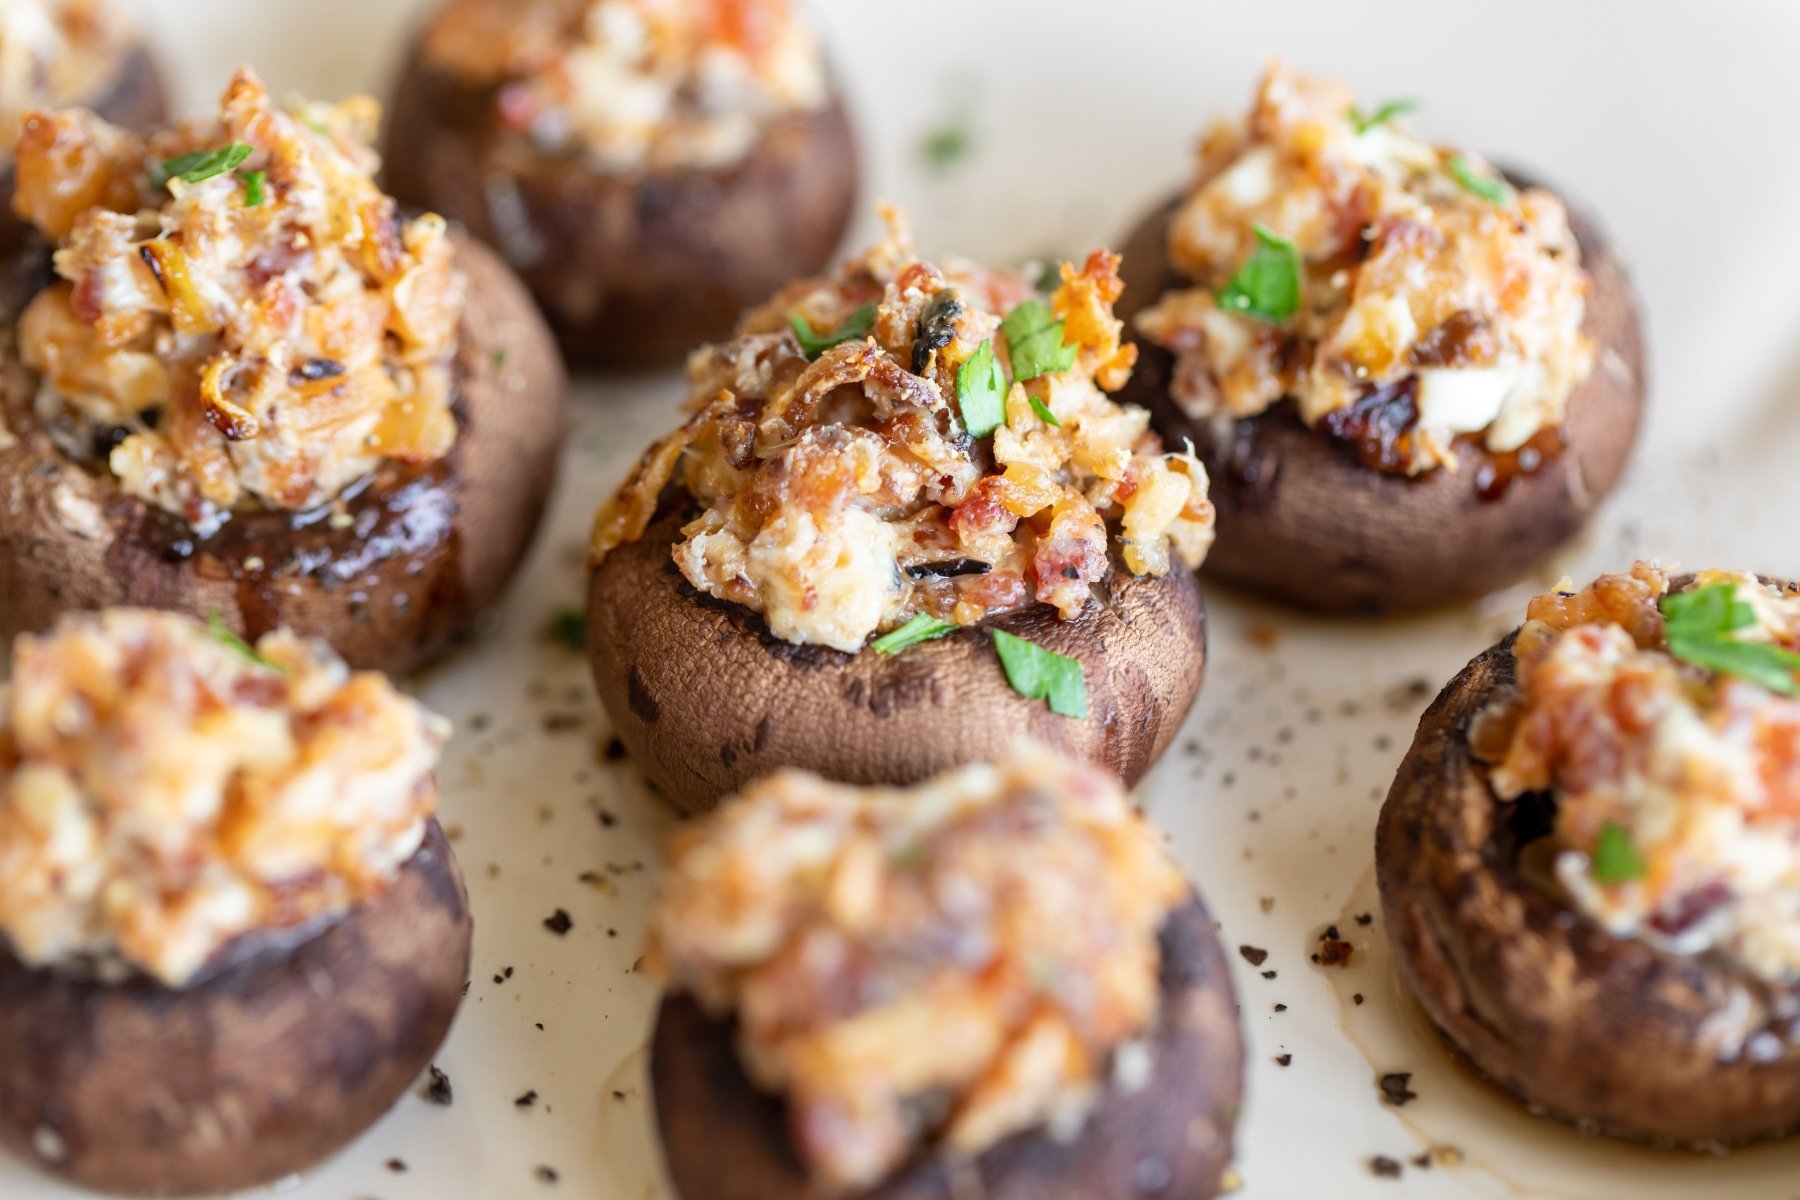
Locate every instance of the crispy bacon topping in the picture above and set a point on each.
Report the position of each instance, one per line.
(930, 968)
(261, 335)
(164, 791)
(843, 496)
(1677, 788)
(1419, 271)
(635, 84)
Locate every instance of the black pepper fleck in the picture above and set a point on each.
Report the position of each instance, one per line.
(1282, 1060)
(559, 922)
(526, 1101)
(437, 1087)
(1383, 1167)
(1254, 955)
(1395, 1089)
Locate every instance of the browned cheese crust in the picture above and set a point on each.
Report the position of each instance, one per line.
(1171, 1138)
(1610, 1033)
(1303, 522)
(135, 99)
(706, 699)
(257, 1072)
(632, 270)
(426, 550)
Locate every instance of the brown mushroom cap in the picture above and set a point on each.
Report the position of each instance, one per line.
(1302, 521)
(633, 270)
(706, 699)
(1610, 1033)
(425, 551)
(1172, 1137)
(255, 1073)
(134, 98)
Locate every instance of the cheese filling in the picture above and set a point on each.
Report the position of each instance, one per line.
(165, 790)
(1677, 787)
(1417, 291)
(936, 967)
(57, 52)
(841, 495)
(635, 84)
(242, 319)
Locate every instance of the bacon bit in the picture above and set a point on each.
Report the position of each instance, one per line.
(1084, 303)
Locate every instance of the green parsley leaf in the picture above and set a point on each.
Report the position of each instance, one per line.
(1039, 674)
(922, 628)
(981, 392)
(1700, 624)
(1267, 286)
(813, 343)
(1615, 859)
(221, 633)
(1043, 412)
(500, 357)
(1048, 276)
(1491, 190)
(568, 628)
(1363, 122)
(1034, 341)
(255, 182)
(197, 166)
(948, 145)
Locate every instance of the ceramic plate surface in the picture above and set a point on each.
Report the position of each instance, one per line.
(1673, 121)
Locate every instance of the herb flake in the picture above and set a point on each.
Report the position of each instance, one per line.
(948, 145)
(981, 392)
(1267, 285)
(1615, 859)
(197, 166)
(1034, 341)
(223, 634)
(1043, 412)
(1039, 674)
(1362, 122)
(255, 188)
(813, 343)
(922, 628)
(1475, 183)
(1701, 625)
(568, 628)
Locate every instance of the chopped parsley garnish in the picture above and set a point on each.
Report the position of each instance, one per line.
(948, 145)
(197, 166)
(255, 188)
(1362, 122)
(568, 628)
(1039, 674)
(1615, 859)
(1267, 286)
(1034, 341)
(222, 634)
(981, 392)
(813, 343)
(1701, 626)
(922, 628)
(1491, 190)
(1049, 276)
(1043, 412)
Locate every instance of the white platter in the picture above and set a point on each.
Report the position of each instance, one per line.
(1672, 120)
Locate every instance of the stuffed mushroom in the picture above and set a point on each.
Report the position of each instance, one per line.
(246, 384)
(1590, 861)
(59, 52)
(1411, 377)
(650, 169)
(995, 984)
(903, 524)
(231, 931)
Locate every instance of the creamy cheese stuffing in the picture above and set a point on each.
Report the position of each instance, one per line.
(941, 966)
(1428, 312)
(262, 337)
(635, 84)
(165, 790)
(1677, 789)
(57, 52)
(842, 495)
